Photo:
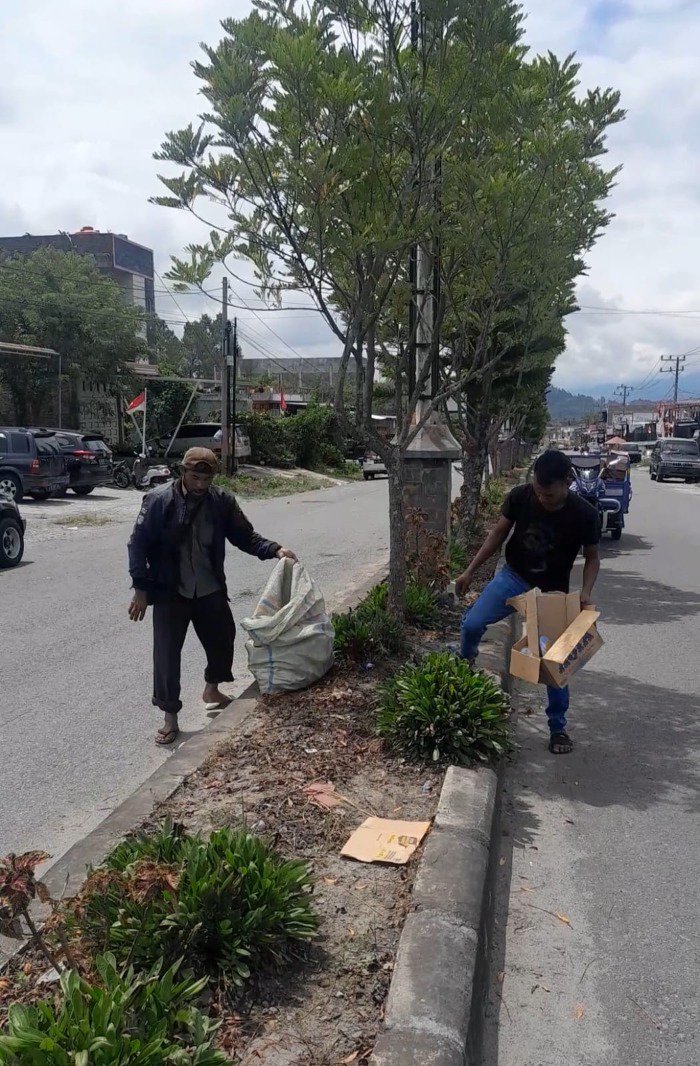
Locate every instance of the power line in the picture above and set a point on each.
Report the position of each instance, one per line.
(170, 294)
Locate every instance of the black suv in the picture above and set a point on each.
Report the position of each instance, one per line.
(11, 533)
(88, 458)
(675, 457)
(31, 463)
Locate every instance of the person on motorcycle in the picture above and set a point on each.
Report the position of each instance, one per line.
(546, 526)
(176, 562)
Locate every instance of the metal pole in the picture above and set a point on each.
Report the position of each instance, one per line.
(182, 419)
(224, 379)
(234, 376)
(60, 391)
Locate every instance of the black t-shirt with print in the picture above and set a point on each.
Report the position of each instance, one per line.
(543, 546)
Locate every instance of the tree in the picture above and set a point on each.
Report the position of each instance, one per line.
(201, 342)
(165, 346)
(60, 300)
(330, 133)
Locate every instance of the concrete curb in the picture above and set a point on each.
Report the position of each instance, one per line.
(68, 873)
(435, 1008)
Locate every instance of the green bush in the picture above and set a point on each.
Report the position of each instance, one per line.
(228, 905)
(147, 1020)
(310, 439)
(441, 709)
(421, 606)
(366, 633)
(271, 440)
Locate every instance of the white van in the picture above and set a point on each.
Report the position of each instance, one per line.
(205, 435)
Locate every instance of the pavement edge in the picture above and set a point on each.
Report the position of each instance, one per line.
(437, 998)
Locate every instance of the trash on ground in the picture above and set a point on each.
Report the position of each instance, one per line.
(385, 840)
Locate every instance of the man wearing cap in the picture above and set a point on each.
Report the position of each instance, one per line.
(176, 562)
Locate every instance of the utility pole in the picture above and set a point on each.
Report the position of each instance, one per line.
(623, 390)
(225, 392)
(233, 360)
(679, 360)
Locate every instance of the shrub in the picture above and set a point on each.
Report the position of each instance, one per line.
(368, 632)
(150, 1020)
(441, 709)
(331, 455)
(421, 606)
(228, 904)
(271, 440)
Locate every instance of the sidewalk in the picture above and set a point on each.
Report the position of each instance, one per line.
(592, 960)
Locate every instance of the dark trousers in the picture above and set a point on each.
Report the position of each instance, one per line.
(213, 623)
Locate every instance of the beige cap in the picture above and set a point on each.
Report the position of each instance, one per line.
(198, 457)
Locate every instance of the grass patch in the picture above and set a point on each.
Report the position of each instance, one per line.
(82, 520)
(349, 471)
(263, 488)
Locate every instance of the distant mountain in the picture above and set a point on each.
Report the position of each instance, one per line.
(563, 405)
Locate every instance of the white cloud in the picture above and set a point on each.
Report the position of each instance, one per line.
(647, 259)
(88, 91)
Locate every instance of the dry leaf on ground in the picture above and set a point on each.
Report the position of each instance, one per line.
(579, 1012)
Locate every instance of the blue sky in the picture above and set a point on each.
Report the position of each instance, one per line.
(87, 92)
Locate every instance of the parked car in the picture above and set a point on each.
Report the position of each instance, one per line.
(243, 449)
(88, 458)
(371, 466)
(675, 457)
(12, 527)
(633, 449)
(203, 435)
(31, 463)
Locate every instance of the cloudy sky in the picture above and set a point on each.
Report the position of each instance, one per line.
(88, 90)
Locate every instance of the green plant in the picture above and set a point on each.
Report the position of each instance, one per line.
(228, 904)
(421, 605)
(458, 558)
(149, 1020)
(366, 633)
(442, 710)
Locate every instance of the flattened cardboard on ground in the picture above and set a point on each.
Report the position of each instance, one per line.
(572, 634)
(385, 840)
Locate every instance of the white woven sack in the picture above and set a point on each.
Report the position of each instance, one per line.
(290, 636)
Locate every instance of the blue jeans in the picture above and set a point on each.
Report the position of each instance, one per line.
(492, 607)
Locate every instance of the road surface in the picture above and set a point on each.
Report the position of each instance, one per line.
(608, 839)
(76, 722)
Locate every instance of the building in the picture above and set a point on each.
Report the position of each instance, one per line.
(122, 260)
(128, 264)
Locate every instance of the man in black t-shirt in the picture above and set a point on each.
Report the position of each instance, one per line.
(548, 526)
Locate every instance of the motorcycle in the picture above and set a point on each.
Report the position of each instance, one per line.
(610, 499)
(144, 474)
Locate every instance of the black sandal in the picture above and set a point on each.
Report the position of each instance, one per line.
(560, 744)
(165, 737)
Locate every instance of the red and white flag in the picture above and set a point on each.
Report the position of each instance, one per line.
(139, 404)
(283, 402)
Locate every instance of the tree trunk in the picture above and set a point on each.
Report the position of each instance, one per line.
(397, 539)
(359, 388)
(369, 376)
(474, 462)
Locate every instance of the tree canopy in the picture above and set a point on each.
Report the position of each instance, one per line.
(60, 300)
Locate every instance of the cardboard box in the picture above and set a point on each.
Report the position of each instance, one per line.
(571, 632)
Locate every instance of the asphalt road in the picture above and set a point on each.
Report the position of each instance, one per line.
(76, 722)
(608, 839)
